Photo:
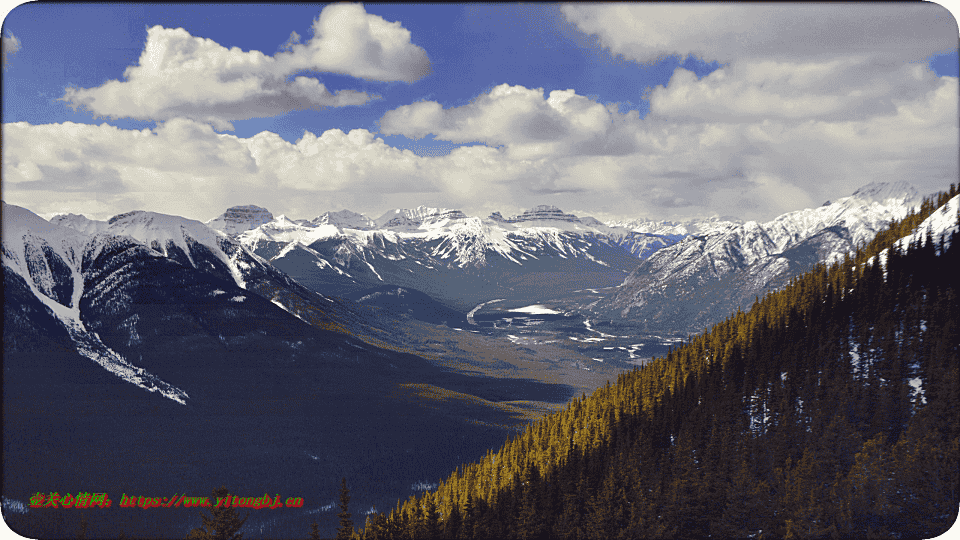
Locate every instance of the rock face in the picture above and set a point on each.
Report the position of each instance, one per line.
(240, 218)
(544, 212)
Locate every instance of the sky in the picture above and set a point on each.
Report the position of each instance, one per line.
(617, 111)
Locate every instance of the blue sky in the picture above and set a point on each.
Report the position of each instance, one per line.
(670, 114)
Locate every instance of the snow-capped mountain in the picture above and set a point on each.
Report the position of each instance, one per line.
(345, 219)
(240, 218)
(49, 258)
(458, 259)
(939, 229)
(196, 343)
(79, 223)
(402, 218)
(705, 277)
(694, 226)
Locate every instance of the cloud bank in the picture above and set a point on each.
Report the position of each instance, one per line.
(770, 131)
(563, 148)
(645, 32)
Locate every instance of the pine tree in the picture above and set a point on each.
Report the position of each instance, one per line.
(452, 524)
(345, 530)
(314, 531)
(431, 518)
(224, 522)
(82, 532)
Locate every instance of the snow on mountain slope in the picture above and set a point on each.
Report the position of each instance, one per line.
(48, 257)
(403, 217)
(186, 241)
(429, 249)
(703, 278)
(694, 226)
(345, 219)
(863, 214)
(79, 223)
(938, 227)
(282, 229)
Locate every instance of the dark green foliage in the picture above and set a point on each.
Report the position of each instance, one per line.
(314, 531)
(801, 417)
(345, 530)
(224, 523)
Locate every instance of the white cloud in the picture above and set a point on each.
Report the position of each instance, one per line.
(349, 41)
(10, 45)
(842, 89)
(521, 119)
(179, 75)
(644, 32)
(769, 132)
(755, 168)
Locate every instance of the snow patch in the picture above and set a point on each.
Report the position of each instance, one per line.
(537, 309)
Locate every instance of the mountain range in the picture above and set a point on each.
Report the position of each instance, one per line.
(159, 352)
(343, 342)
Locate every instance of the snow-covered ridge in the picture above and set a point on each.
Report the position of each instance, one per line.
(404, 217)
(79, 223)
(882, 192)
(704, 277)
(162, 231)
(345, 219)
(282, 229)
(938, 227)
(48, 257)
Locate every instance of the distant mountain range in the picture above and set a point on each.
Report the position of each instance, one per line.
(657, 276)
(700, 280)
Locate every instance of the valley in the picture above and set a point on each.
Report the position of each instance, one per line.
(388, 350)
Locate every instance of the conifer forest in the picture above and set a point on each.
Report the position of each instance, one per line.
(829, 409)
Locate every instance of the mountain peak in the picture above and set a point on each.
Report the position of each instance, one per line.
(544, 212)
(240, 218)
(407, 218)
(883, 191)
(345, 219)
(79, 222)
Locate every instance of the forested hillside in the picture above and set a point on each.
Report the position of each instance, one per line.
(829, 409)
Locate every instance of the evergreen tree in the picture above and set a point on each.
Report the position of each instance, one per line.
(82, 531)
(314, 531)
(452, 523)
(224, 523)
(830, 409)
(432, 519)
(345, 530)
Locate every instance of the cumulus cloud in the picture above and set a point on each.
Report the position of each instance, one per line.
(348, 40)
(520, 119)
(770, 131)
(755, 169)
(179, 75)
(10, 45)
(795, 32)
